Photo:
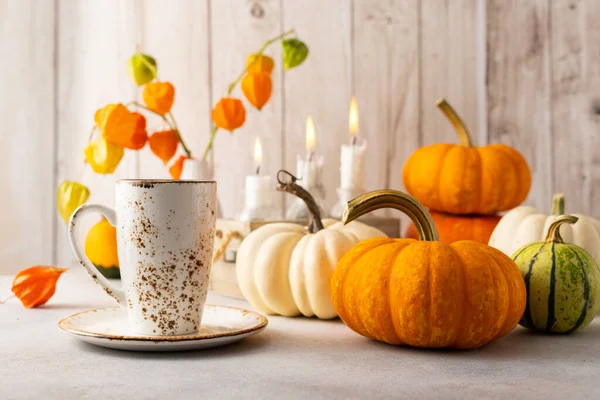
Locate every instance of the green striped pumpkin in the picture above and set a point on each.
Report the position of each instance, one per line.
(562, 282)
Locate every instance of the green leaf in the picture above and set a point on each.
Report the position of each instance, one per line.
(141, 68)
(294, 53)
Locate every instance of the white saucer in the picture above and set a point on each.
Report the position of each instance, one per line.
(108, 327)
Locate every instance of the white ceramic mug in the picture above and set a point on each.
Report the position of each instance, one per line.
(165, 237)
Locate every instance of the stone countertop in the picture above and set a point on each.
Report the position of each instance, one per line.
(293, 358)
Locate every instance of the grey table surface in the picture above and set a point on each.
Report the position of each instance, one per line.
(293, 358)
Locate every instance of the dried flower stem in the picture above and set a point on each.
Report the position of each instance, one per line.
(237, 80)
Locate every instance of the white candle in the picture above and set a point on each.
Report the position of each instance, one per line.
(352, 155)
(309, 167)
(259, 188)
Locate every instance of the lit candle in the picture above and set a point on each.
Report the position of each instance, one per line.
(352, 156)
(259, 189)
(308, 168)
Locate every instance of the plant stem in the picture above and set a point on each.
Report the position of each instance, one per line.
(256, 55)
(237, 80)
(185, 148)
(209, 146)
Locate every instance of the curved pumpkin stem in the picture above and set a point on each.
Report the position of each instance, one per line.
(553, 235)
(397, 200)
(558, 204)
(463, 134)
(289, 186)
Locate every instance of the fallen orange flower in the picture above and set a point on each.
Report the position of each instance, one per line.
(229, 113)
(35, 286)
(163, 144)
(159, 96)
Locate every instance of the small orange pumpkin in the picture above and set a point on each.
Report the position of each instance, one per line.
(462, 179)
(453, 228)
(36, 285)
(229, 113)
(425, 293)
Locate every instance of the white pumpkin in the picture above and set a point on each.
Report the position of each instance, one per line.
(524, 225)
(282, 269)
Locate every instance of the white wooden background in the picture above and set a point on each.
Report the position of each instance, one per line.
(525, 73)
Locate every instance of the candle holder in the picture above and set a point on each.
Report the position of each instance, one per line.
(310, 177)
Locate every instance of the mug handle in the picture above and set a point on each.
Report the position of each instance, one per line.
(115, 292)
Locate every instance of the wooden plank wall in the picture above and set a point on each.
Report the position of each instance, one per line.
(521, 73)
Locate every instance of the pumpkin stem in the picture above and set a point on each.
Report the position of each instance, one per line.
(558, 204)
(395, 199)
(463, 134)
(553, 235)
(289, 185)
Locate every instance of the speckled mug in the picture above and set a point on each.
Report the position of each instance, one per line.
(165, 236)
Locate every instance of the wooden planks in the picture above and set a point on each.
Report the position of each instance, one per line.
(182, 53)
(321, 87)
(239, 29)
(449, 67)
(518, 65)
(575, 102)
(94, 41)
(27, 153)
(386, 81)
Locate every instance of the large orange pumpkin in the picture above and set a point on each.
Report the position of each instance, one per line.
(425, 293)
(463, 179)
(453, 228)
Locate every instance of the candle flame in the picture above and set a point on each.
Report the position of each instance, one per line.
(311, 137)
(257, 153)
(353, 120)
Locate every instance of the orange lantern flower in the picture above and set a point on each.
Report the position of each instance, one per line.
(159, 96)
(140, 137)
(163, 144)
(229, 113)
(116, 123)
(260, 63)
(177, 167)
(257, 88)
(35, 286)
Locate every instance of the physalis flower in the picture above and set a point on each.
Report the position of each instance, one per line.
(103, 156)
(159, 96)
(164, 144)
(257, 88)
(260, 63)
(69, 196)
(116, 123)
(229, 113)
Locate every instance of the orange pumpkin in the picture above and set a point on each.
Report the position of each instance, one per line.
(36, 285)
(425, 293)
(453, 228)
(463, 179)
